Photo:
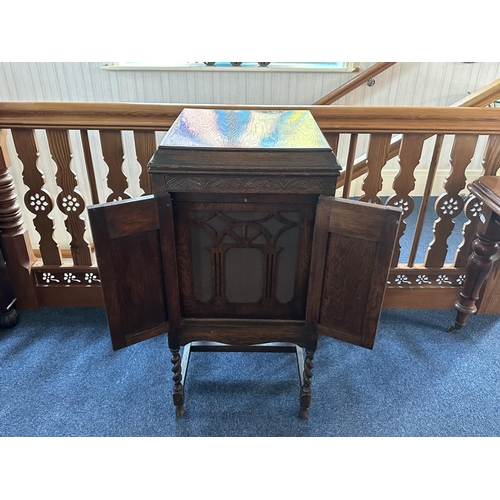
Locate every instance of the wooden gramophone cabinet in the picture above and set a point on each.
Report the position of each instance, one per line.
(243, 244)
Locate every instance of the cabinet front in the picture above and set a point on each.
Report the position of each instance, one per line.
(244, 259)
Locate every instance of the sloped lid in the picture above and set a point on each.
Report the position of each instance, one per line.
(245, 129)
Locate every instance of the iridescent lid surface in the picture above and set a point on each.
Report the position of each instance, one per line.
(245, 129)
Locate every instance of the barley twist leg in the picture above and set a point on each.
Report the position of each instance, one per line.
(305, 390)
(178, 393)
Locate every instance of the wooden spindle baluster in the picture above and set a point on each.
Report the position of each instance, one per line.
(112, 151)
(473, 207)
(450, 204)
(333, 140)
(376, 158)
(491, 158)
(145, 146)
(404, 183)
(89, 165)
(37, 200)
(351, 156)
(69, 200)
(16, 244)
(425, 198)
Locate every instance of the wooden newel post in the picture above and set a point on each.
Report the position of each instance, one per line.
(16, 244)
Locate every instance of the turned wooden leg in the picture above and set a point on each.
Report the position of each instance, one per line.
(305, 390)
(178, 394)
(477, 270)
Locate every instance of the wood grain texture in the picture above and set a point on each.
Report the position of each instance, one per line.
(131, 266)
(16, 244)
(431, 174)
(69, 200)
(404, 184)
(37, 200)
(89, 165)
(145, 147)
(112, 150)
(346, 119)
(378, 149)
(450, 204)
(351, 268)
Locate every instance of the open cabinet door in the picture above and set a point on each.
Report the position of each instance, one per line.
(351, 256)
(135, 250)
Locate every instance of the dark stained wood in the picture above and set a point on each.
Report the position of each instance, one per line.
(484, 247)
(8, 315)
(226, 238)
(16, 244)
(349, 272)
(129, 241)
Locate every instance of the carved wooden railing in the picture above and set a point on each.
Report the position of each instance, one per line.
(70, 277)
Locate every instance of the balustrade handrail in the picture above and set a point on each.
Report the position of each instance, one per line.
(339, 119)
(355, 82)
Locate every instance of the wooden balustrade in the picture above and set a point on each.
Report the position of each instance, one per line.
(57, 280)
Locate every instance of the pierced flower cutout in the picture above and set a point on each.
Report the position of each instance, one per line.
(402, 278)
(38, 202)
(442, 278)
(403, 204)
(422, 278)
(476, 209)
(70, 203)
(450, 206)
(461, 279)
(91, 277)
(69, 277)
(48, 277)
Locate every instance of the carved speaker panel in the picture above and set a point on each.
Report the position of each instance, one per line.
(238, 260)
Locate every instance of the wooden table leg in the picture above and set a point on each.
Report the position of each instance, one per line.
(479, 265)
(178, 394)
(305, 390)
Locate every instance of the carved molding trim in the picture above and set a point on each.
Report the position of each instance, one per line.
(267, 184)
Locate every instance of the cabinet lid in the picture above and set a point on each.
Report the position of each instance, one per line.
(245, 129)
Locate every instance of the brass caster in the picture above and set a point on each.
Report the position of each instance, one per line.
(179, 411)
(454, 328)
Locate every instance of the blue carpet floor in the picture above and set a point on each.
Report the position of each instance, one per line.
(60, 377)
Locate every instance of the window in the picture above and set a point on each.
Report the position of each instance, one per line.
(228, 66)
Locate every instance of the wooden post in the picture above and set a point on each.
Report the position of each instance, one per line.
(16, 244)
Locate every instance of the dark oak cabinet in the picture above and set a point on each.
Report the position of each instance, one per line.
(243, 244)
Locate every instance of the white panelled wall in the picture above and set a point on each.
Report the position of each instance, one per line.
(404, 84)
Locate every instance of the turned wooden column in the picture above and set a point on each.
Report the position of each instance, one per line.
(16, 244)
(484, 247)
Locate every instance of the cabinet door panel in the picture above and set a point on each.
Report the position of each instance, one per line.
(352, 249)
(134, 244)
